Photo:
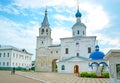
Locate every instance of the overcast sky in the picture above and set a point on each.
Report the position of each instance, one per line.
(21, 19)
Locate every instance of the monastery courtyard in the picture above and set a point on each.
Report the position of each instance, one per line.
(41, 77)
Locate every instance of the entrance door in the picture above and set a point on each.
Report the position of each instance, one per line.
(54, 66)
(76, 69)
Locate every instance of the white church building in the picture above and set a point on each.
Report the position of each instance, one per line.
(74, 54)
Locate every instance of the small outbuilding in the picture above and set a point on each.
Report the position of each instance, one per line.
(97, 62)
(113, 56)
(75, 64)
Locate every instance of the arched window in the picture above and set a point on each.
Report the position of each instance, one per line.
(77, 43)
(89, 49)
(51, 52)
(46, 30)
(42, 42)
(42, 30)
(66, 51)
(78, 32)
(83, 32)
(77, 54)
(62, 67)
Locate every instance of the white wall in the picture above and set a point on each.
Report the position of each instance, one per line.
(14, 58)
(82, 48)
(69, 66)
(5, 58)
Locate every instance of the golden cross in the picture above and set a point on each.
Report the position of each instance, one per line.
(96, 42)
(77, 1)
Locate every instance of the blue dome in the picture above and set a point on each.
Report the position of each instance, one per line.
(96, 48)
(78, 14)
(97, 55)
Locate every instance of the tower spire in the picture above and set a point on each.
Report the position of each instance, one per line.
(45, 22)
(77, 4)
(78, 14)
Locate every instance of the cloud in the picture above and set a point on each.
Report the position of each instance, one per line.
(18, 35)
(42, 3)
(96, 17)
(12, 9)
(60, 32)
(108, 42)
(63, 18)
(9, 9)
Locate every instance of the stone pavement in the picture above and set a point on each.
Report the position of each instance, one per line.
(60, 78)
(6, 77)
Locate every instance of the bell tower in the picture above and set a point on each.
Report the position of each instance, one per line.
(43, 41)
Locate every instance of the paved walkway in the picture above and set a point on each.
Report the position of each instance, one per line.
(60, 78)
(6, 77)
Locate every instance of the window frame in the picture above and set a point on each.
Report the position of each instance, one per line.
(89, 49)
(63, 67)
(66, 51)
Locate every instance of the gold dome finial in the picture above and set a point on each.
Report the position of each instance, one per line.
(46, 9)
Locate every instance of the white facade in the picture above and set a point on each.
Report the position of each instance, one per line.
(70, 64)
(13, 57)
(78, 45)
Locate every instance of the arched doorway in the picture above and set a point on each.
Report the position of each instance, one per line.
(54, 66)
(76, 69)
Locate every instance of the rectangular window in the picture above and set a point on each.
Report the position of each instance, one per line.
(78, 32)
(19, 56)
(8, 55)
(19, 64)
(77, 54)
(89, 49)
(16, 64)
(83, 32)
(22, 57)
(16, 55)
(7, 63)
(51, 52)
(63, 67)
(56, 51)
(66, 51)
(13, 63)
(0, 54)
(118, 71)
(3, 63)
